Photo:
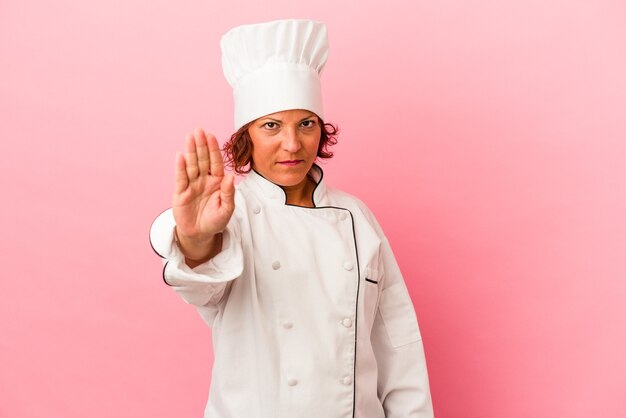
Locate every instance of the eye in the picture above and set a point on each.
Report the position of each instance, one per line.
(308, 123)
(270, 125)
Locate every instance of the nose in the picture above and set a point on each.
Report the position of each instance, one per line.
(291, 141)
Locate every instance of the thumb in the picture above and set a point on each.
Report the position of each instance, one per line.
(227, 191)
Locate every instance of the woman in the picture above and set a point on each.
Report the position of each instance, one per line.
(309, 311)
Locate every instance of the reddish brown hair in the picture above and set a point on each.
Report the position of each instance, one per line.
(238, 148)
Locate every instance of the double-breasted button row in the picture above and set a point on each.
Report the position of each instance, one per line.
(348, 265)
(346, 380)
(346, 322)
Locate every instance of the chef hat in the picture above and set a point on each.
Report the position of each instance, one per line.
(275, 66)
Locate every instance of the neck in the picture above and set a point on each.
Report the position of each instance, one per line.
(301, 194)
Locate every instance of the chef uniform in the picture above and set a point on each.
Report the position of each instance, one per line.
(310, 314)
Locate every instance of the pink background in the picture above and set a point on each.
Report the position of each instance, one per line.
(487, 136)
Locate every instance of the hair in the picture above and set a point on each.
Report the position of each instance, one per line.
(238, 148)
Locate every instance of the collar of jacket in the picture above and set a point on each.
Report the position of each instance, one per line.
(275, 193)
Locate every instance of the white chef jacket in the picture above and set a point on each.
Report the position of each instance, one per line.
(310, 314)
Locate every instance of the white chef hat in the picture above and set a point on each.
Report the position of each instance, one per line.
(275, 66)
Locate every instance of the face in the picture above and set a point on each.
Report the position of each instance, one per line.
(285, 146)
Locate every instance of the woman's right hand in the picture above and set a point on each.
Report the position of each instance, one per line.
(204, 198)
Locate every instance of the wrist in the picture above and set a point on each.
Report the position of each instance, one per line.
(196, 249)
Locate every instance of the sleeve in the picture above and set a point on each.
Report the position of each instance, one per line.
(204, 284)
(403, 386)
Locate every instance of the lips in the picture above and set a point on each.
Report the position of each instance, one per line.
(290, 163)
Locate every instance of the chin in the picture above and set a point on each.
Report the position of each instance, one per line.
(289, 181)
(292, 177)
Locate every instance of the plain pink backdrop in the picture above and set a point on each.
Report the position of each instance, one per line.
(487, 136)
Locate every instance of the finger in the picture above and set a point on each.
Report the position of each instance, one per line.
(191, 158)
(203, 153)
(217, 161)
(227, 192)
(180, 174)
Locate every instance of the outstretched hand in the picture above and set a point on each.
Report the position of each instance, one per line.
(204, 198)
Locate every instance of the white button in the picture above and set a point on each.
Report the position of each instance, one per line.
(292, 382)
(343, 216)
(287, 325)
(276, 265)
(256, 210)
(346, 380)
(347, 322)
(348, 265)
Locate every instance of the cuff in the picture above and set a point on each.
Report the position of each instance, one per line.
(227, 265)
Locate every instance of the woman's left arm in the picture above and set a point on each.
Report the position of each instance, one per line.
(403, 385)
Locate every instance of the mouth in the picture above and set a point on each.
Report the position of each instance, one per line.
(290, 163)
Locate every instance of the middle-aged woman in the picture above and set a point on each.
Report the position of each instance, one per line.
(309, 311)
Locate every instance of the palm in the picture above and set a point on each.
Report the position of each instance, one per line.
(203, 197)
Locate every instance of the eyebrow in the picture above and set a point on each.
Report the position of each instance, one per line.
(280, 121)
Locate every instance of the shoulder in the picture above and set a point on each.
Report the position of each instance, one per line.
(342, 198)
(355, 205)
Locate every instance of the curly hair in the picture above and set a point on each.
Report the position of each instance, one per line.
(238, 149)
